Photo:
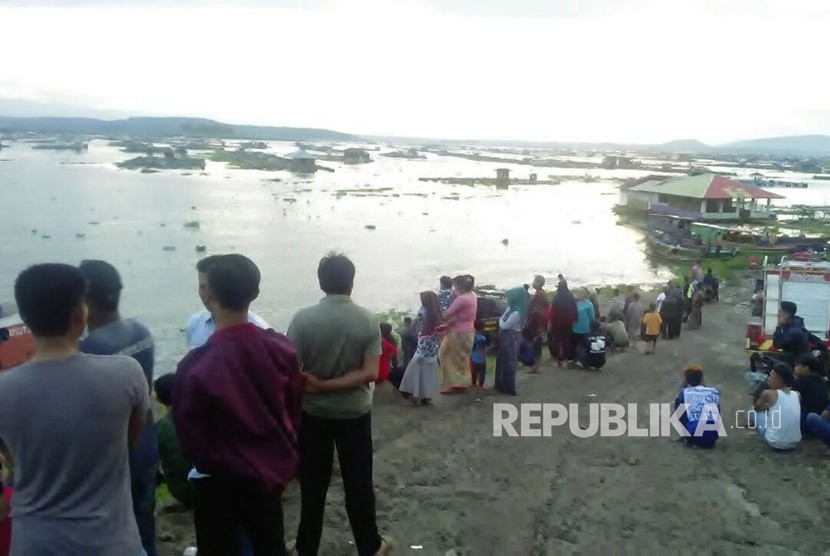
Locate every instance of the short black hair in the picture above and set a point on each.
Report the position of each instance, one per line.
(47, 295)
(336, 274)
(446, 282)
(694, 377)
(103, 284)
(595, 325)
(811, 362)
(789, 307)
(635, 296)
(785, 372)
(652, 306)
(385, 329)
(234, 280)
(479, 325)
(164, 388)
(407, 320)
(204, 265)
(464, 282)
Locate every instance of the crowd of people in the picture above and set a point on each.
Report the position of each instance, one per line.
(249, 409)
(245, 406)
(445, 349)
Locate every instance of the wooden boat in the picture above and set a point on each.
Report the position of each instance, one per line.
(679, 252)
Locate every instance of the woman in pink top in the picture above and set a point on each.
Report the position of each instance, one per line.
(454, 355)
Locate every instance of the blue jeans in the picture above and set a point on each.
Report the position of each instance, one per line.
(819, 427)
(144, 507)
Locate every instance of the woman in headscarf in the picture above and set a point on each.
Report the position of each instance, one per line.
(454, 354)
(562, 318)
(510, 326)
(420, 380)
(537, 321)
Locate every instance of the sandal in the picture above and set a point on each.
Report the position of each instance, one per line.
(385, 547)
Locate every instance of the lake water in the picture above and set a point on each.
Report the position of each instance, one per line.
(285, 227)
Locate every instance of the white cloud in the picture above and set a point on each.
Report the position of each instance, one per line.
(656, 71)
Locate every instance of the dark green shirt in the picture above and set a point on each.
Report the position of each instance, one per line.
(173, 464)
(332, 339)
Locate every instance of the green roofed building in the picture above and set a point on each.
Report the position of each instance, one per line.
(701, 197)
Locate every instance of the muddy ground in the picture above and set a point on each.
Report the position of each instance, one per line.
(444, 483)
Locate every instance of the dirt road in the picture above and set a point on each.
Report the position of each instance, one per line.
(445, 483)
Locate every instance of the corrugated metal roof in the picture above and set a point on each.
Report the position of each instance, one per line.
(705, 186)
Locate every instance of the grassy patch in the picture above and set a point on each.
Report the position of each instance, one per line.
(231, 160)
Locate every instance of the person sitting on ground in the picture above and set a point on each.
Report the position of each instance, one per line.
(595, 348)
(67, 421)
(790, 335)
(818, 425)
(615, 328)
(478, 358)
(811, 384)
(445, 296)
(409, 341)
(700, 401)
(236, 406)
(652, 322)
(778, 410)
(174, 465)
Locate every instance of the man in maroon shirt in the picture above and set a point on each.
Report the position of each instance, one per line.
(236, 405)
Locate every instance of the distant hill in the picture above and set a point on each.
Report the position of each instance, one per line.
(804, 145)
(168, 127)
(683, 146)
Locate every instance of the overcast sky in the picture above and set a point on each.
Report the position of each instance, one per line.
(570, 70)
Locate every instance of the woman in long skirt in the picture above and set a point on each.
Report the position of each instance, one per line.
(420, 380)
(510, 327)
(454, 354)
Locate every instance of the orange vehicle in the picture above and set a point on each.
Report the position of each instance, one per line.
(17, 345)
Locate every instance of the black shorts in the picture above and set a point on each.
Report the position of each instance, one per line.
(651, 337)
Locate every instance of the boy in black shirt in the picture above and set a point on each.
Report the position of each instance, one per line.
(595, 347)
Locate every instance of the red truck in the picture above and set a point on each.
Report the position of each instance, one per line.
(17, 345)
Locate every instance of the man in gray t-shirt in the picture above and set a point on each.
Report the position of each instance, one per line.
(66, 420)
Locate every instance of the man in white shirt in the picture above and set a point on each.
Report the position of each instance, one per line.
(200, 326)
(661, 298)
